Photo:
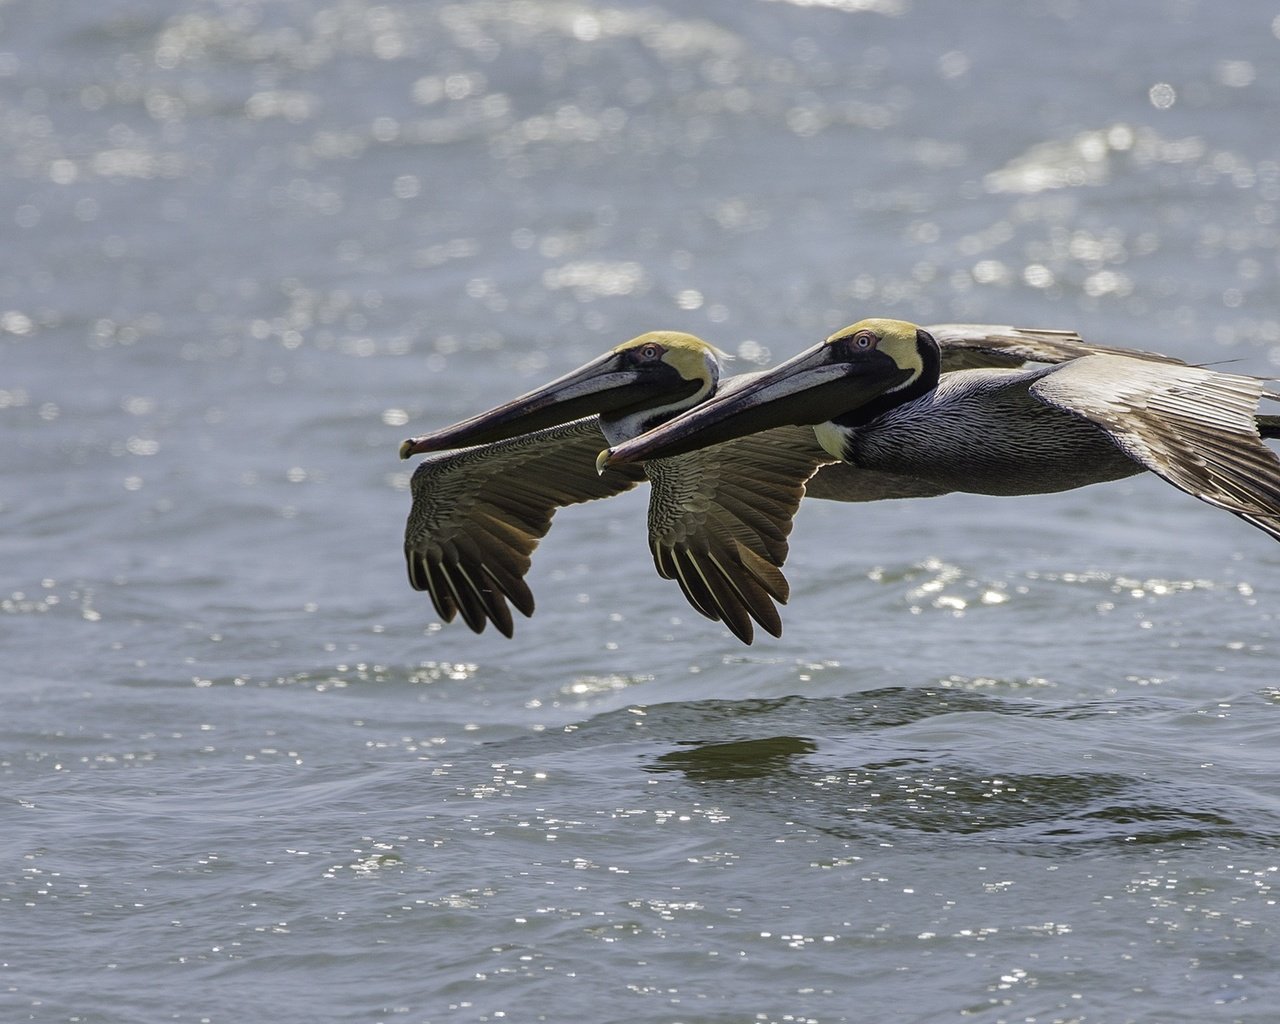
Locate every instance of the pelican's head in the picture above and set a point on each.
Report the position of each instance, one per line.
(855, 374)
(632, 387)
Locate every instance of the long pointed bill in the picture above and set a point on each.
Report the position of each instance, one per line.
(601, 386)
(810, 388)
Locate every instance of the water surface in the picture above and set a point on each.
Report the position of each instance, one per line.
(1012, 760)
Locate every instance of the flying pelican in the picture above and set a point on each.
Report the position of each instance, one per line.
(877, 399)
(718, 520)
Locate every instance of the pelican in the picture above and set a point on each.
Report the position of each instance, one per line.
(877, 399)
(718, 519)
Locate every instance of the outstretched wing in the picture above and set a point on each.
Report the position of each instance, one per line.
(478, 514)
(979, 346)
(719, 520)
(1194, 427)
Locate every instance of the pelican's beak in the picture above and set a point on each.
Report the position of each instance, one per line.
(811, 388)
(604, 385)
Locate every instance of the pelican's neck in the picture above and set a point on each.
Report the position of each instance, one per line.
(630, 423)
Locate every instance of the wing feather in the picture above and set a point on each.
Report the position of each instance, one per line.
(719, 519)
(693, 586)
(1195, 427)
(479, 513)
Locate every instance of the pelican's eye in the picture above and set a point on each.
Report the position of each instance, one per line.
(650, 352)
(855, 344)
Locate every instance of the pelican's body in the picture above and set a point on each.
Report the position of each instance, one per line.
(878, 400)
(987, 432)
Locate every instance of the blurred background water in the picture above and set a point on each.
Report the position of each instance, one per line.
(1013, 760)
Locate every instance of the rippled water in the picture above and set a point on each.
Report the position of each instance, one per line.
(1013, 760)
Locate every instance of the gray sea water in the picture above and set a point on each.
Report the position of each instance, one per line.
(1013, 760)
